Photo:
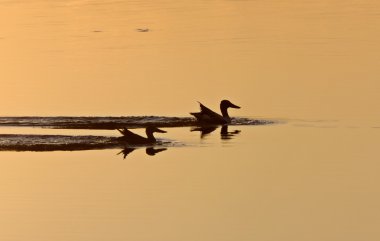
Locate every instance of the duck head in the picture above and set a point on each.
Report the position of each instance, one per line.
(150, 130)
(225, 104)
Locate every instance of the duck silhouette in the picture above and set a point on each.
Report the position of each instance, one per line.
(132, 138)
(208, 116)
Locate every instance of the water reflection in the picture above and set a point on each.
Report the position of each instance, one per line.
(204, 130)
(151, 151)
(224, 133)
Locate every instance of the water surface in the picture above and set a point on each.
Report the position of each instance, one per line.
(291, 181)
(311, 66)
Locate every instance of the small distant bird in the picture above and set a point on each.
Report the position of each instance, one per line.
(142, 30)
(132, 138)
(208, 116)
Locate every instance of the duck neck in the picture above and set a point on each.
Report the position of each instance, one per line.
(150, 136)
(224, 112)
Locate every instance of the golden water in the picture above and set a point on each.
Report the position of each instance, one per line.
(312, 64)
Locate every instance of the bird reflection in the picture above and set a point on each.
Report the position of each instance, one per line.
(224, 133)
(151, 151)
(126, 151)
(204, 130)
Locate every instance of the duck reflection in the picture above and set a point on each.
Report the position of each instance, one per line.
(151, 151)
(224, 133)
(204, 130)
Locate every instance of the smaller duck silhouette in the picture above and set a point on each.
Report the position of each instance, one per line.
(132, 138)
(208, 116)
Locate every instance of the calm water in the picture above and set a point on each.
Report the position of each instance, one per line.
(300, 180)
(311, 66)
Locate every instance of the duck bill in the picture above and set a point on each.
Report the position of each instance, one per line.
(160, 131)
(234, 106)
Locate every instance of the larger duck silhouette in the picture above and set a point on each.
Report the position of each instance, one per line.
(132, 138)
(208, 116)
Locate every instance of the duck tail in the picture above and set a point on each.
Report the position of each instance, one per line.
(196, 114)
(122, 131)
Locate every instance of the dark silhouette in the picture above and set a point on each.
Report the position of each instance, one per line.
(208, 116)
(132, 138)
(151, 151)
(126, 151)
(224, 133)
(204, 130)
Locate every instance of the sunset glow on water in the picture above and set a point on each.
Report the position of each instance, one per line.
(299, 161)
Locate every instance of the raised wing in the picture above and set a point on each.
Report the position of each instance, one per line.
(204, 109)
(210, 116)
(129, 135)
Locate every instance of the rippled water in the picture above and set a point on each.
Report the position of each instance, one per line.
(115, 122)
(38, 142)
(264, 182)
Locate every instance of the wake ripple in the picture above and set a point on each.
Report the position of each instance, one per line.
(110, 123)
(16, 142)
